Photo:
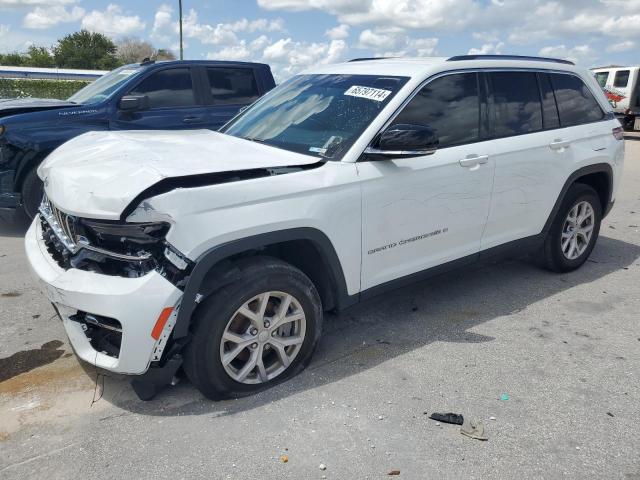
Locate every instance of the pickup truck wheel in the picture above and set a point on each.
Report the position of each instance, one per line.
(32, 191)
(256, 332)
(574, 231)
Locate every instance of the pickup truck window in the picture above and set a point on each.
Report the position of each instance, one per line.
(232, 86)
(318, 115)
(167, 88)
(103, 87)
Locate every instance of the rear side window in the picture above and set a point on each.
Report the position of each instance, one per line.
(621, 79)
(232, 85)
(167, 88)
(450, 105)
(602, 77)
(515, 103)
(550, 117)
(576, 104)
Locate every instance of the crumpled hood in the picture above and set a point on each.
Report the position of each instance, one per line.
(14, 106)
(98, 174)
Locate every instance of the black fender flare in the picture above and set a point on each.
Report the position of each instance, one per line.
(214, 256)
(581, 172)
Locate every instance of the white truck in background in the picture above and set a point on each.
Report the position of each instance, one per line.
(621, 85)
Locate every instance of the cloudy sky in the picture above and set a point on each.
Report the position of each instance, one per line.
(293, 34)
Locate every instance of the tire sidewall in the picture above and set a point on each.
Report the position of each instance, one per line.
(32, 191)
(214, 314)
(577, 194)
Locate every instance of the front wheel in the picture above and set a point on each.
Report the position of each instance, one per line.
(574, 231)
(256, 332)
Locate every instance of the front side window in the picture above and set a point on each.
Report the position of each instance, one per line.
(621, 79)
(450, 105)
(318, 115)
(167, 88)
(232, 86)
(576, 104)
(602, 77)
(103, 87)
(515, 101)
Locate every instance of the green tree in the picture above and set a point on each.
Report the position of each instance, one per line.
(14, 59)
(85, 49)
(39, 57)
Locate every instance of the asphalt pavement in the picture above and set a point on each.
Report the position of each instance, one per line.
(549, 363)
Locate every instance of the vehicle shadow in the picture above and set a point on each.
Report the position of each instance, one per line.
(13, 223)
(443, 309)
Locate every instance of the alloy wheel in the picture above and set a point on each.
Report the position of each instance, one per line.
(577, 230)
(263, 337)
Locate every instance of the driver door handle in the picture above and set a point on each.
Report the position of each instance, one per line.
(474, 160)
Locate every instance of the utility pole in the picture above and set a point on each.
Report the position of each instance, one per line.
(181, 49)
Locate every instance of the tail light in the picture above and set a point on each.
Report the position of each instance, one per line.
(618, 133)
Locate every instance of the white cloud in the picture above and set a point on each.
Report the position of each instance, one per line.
(113, 22)
(15, 4)
(339, 32)
(487, 49)
(287, 56)
(581, 54)
(376, 40)
(239, 51)
(621, 47)
(46, 17)
(163, 28)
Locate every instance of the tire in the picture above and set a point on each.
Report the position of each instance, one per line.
(560, 256)
(32, 192)
(219, 313)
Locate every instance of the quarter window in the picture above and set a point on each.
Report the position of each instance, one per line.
(232, 85)
(516, 103)
(576, 104)
(621, 79)
(450, 105)
(167, 88)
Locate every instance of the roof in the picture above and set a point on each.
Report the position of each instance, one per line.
(418, 67)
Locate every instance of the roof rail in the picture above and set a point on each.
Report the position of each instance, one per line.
(364, 59)
(508, 57)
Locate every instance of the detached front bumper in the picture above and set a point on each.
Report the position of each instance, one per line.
(134, 303)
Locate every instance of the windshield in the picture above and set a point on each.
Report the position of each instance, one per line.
(104, 86)
(319, 115)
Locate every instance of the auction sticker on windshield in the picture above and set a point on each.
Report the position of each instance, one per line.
(371, 93)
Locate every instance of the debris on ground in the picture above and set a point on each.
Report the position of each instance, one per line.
(322, 466)
(492, 418)
(473, 429)
(454, 418)
(504, 397)
(284, 458)
(394, 473)
(610, 414)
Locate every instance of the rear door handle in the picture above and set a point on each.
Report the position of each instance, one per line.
(192, 120)
(558, 143)
(474, 160)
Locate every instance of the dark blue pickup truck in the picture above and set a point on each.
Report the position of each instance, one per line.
(164, 95)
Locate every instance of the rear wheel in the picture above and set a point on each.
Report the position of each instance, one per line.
(256, 332)
(32, 192)
(574, 231)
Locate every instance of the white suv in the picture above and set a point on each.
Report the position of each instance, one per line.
(219, 251)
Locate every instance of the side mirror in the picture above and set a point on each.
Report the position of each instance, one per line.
(131, 103)
(404, 141)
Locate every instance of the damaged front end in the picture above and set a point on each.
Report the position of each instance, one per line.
(111, 247)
